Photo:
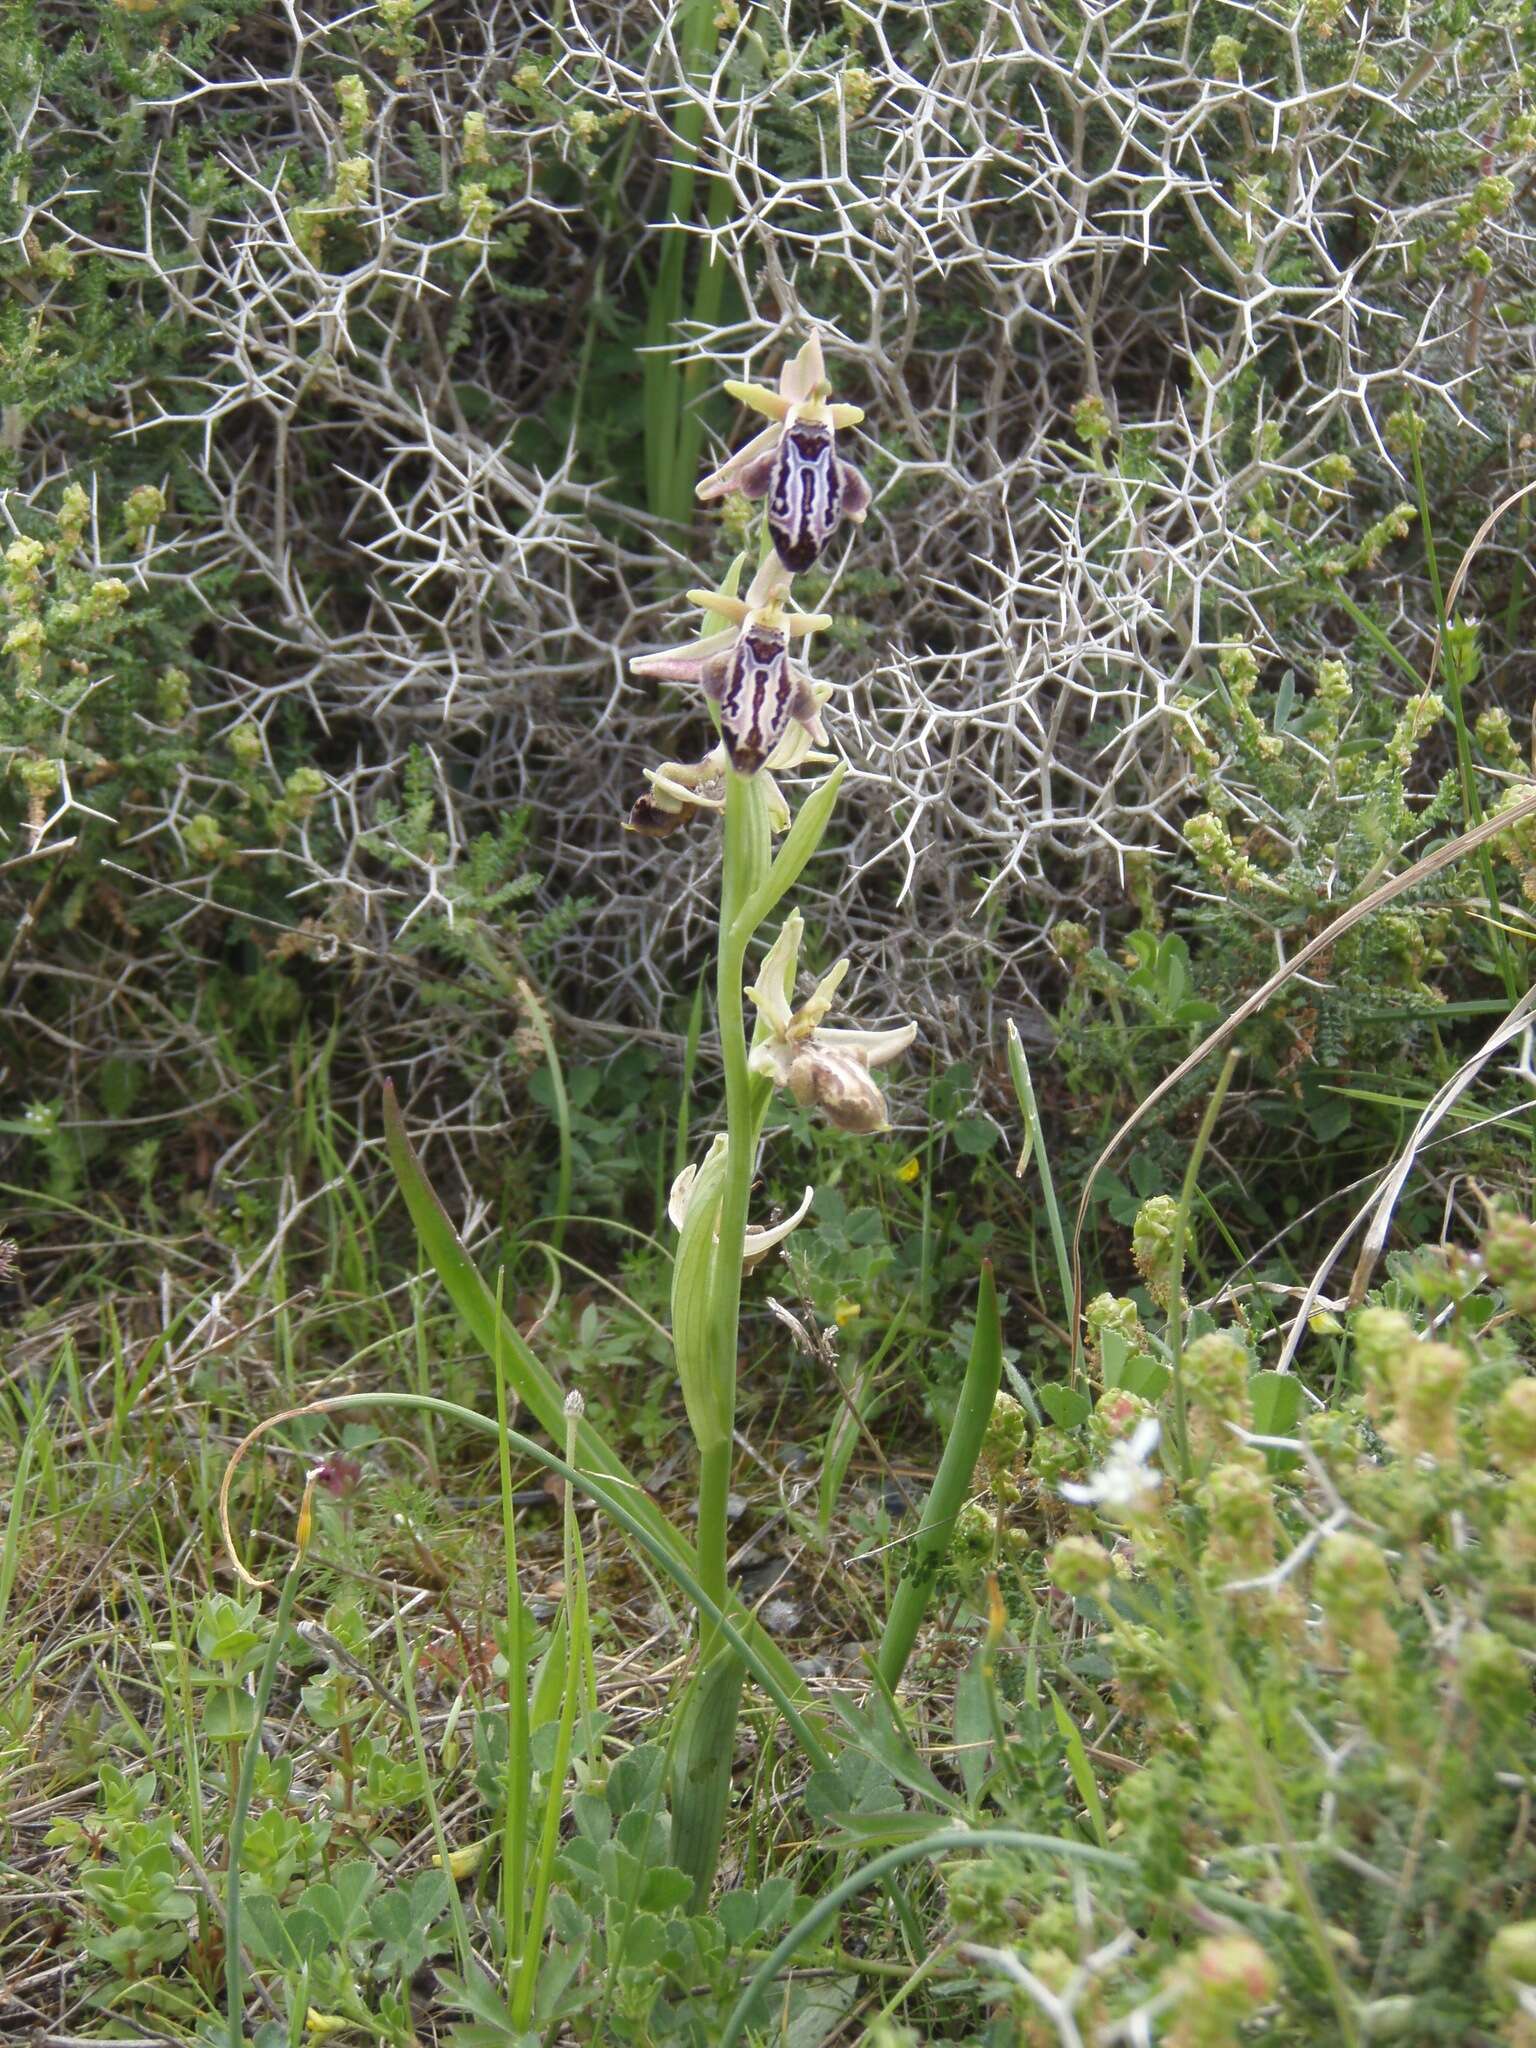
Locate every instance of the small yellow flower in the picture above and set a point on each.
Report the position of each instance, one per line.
(845, 1311)
(464, 1862)
(908, 1170)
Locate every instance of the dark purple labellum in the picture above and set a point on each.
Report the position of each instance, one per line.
(805, 494)
(757, 697)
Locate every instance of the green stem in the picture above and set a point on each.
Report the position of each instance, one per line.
(554, 1804)
(747, 852)
(1034, 1147)
(515, 1820)
(1180, 1232)
(1471, 806)
(533, 1009)
(701, 1773)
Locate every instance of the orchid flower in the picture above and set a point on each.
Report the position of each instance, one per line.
(1123, 1487)
(745, 668)
(759, 1242)
(794, 462)
(796, 1051)
(681, 789)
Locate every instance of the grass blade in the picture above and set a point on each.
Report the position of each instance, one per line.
(1034, 1148)
(534, 1385)
(942, 1843)
(668, 1552)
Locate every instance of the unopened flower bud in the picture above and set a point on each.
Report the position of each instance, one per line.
(1004, 1437)
(1225, 1981)
(1117, 1414)
(1351, 1579)
(1080, 1565)
(1494, 1681)
(1237, 1499)
(1512, 1426)
(1116, 1312)
(1152, 1246)
(1428, 1382)
(1509, 1253)
(1381, 1338)
(1216, 1376)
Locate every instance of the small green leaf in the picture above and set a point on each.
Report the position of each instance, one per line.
(1276, 1398)
(663, 1889)
(1082, 1770)
(973, 1724)
(817, 2012)
(1068, 1407)
(228, 1714)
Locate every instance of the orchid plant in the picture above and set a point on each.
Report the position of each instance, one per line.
(769, 713)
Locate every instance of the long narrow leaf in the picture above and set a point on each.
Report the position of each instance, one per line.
(536, 1388)
(745, 1636)
(1082, 1771)
(801, 842)
(983, 1375)
(530, 1380)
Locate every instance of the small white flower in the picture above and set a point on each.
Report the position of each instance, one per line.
(795, 1051)
(759, 1242)
(1123, 1487)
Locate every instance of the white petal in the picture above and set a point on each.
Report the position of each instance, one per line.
(1143, 1439)
(694, 655)
(759, 1243)
(773, 1060)
(875, 1048)
(1085, 1496)
(794, 748)
(811, 1012)
(723, 480)
(682, 1187)
(776, 976)
(677, 1201)
(800, 737)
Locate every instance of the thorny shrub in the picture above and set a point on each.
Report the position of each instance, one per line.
(382, 312)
